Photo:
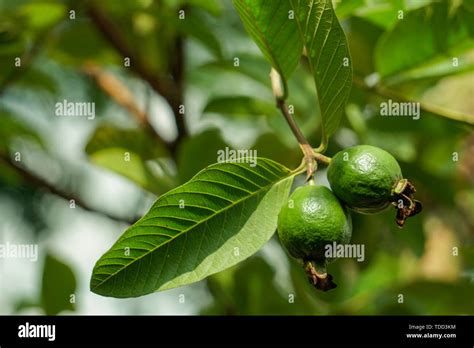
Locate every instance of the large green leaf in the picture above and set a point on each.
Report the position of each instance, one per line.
(328, 57)
(58, 284)
(274, 31)
(220, 217)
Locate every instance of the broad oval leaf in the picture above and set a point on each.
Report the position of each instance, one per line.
(328, 57)
(220, 217)
(273, 29)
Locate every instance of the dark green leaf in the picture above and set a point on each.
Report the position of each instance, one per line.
(328, 56)
(197, 152)
(132, 154)
(217, 219)
(194, 26)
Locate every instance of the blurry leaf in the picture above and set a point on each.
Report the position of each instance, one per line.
(128, 152)
(346, 8)
(193, 231)
(35, 78)
(136, 140)
(276, 35)
(58, 284)
(443, 299)
(434, 69)
(11, 128)
(382, 272)
(78, 41)
(384, 13)
(197, 152)
(9, 176)
(362, 38)
(395, 50)
(240, 105)
(197, 27)
(132, 166)
(328, 57)
(214, 7)
(42, 14)
(466, 12)
(249, 65)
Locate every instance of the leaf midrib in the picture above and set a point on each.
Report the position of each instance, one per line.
(263, 188)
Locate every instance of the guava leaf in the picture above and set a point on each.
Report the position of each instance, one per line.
(220, 217)
(273, 29)
(132, 154)
(328, 56)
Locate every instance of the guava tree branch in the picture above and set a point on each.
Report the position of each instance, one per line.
(424, 106)
(41, 183)
(171, 90)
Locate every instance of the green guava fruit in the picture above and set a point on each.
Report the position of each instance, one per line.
(368, 179)
(312, 219)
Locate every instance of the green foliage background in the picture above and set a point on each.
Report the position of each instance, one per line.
(226, 105)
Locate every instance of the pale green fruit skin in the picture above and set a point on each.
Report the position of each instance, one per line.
(363, 177)
(312, 219)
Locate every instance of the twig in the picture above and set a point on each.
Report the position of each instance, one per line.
(41, 183)
(124, 97)
(427, 107)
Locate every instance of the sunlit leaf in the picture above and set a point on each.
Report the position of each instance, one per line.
(328, 57)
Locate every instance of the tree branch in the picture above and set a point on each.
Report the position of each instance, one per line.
(43, 184)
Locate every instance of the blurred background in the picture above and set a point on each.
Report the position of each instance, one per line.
(173, 82)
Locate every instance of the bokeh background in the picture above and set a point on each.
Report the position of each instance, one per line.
(206, 62)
